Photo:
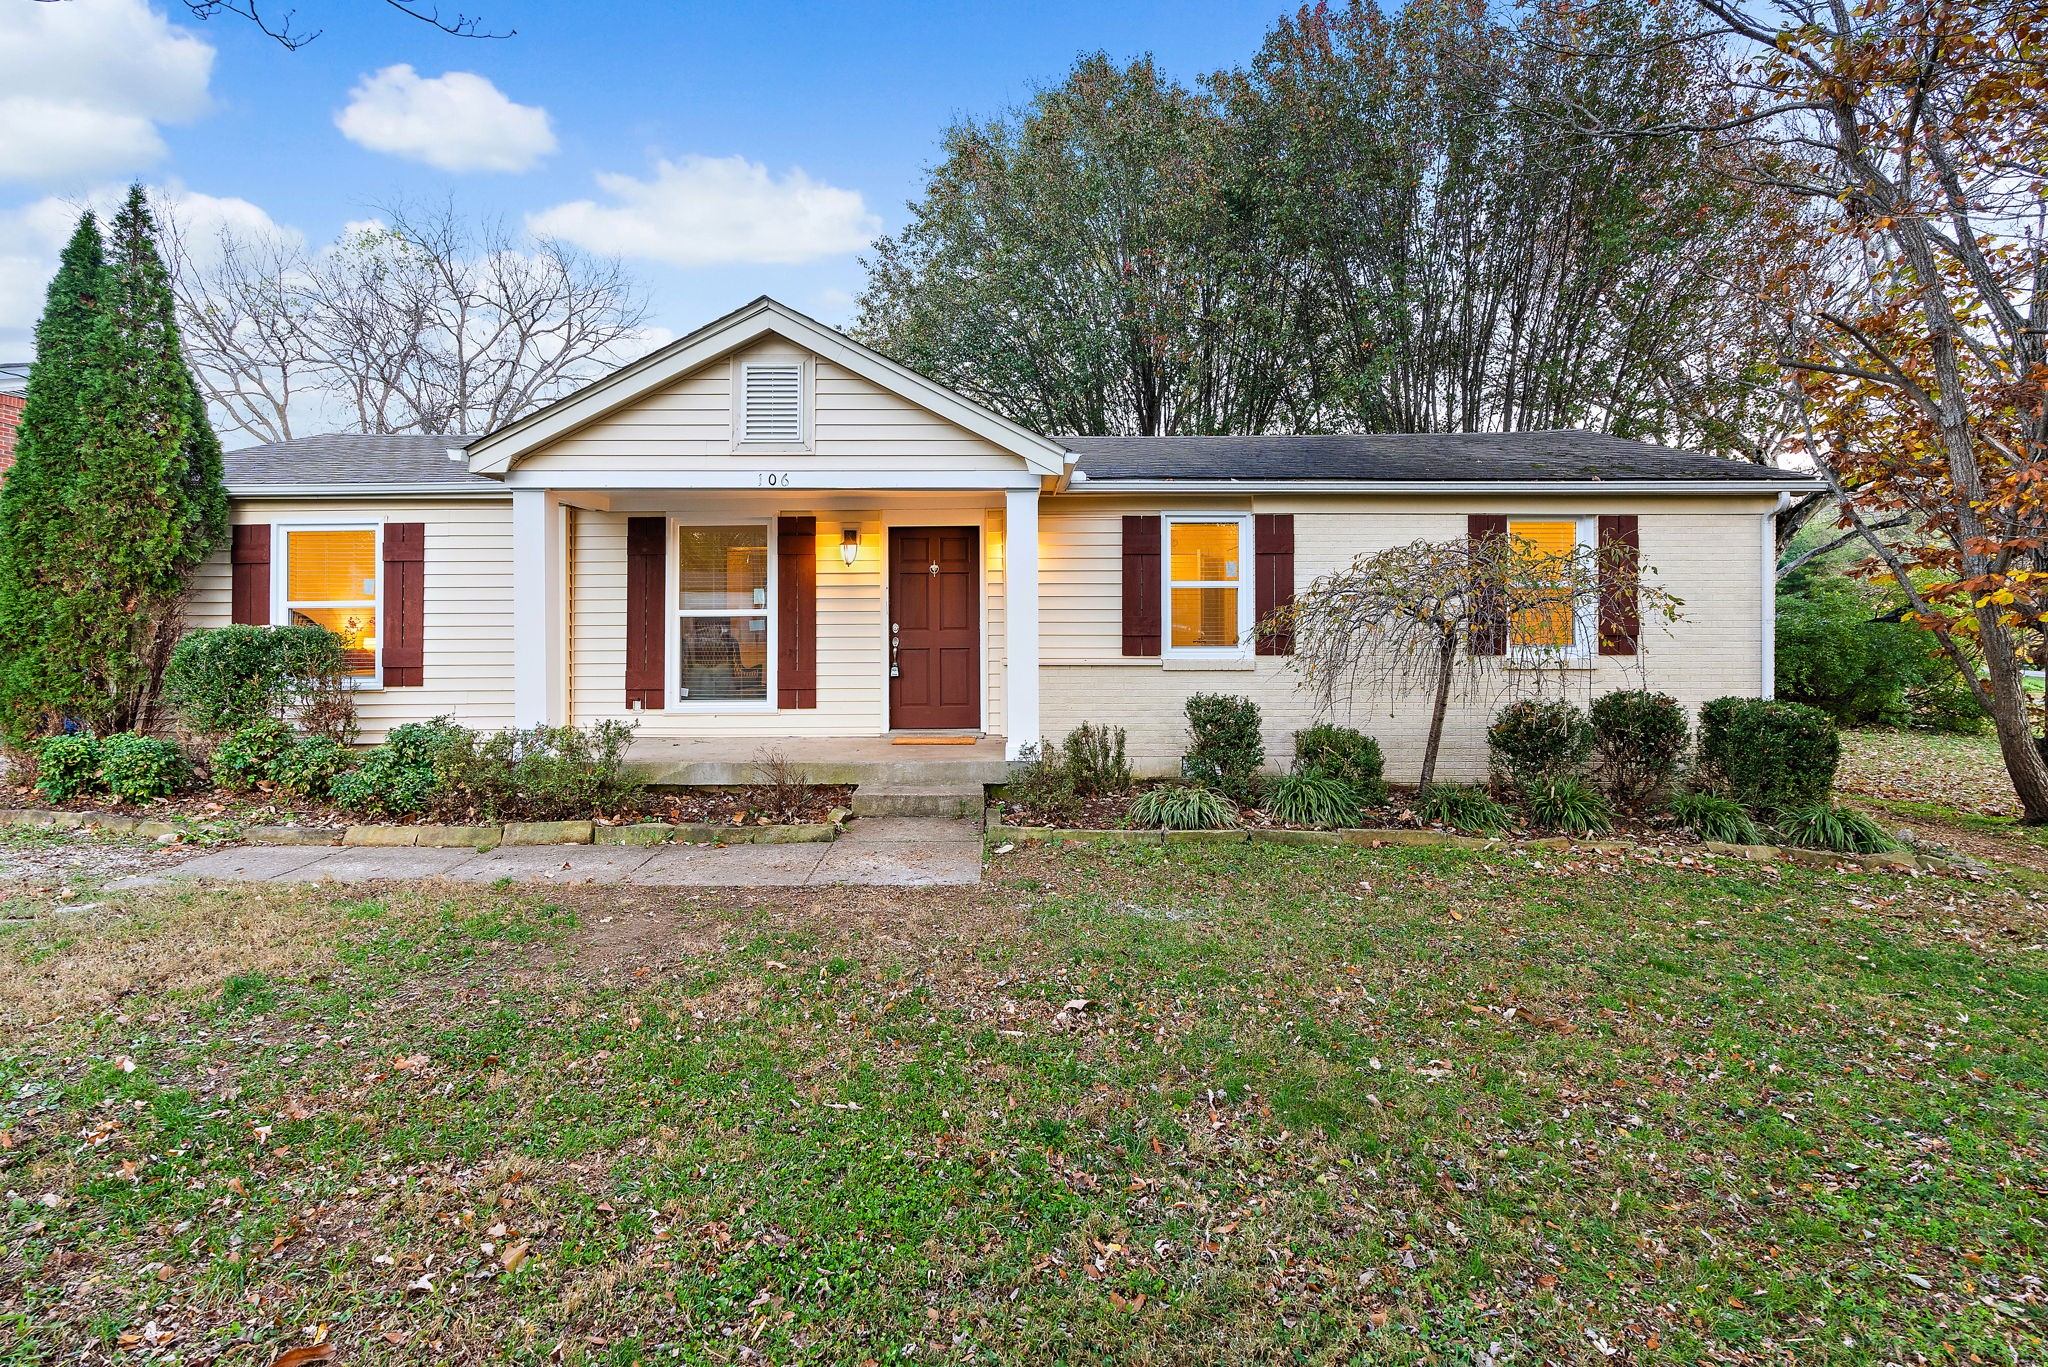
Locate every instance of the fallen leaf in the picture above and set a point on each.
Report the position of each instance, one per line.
(308, 1355)
(514, 1254)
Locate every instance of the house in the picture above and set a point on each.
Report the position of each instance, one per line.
(13, 397)
(767, 534)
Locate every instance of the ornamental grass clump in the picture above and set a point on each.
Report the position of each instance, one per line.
(1824, 826)
(1571, 806)
(1311, 800)
(1183, 807)
(1462, 806)
(1712, 817)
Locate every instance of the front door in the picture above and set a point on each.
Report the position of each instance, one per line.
(934, 629)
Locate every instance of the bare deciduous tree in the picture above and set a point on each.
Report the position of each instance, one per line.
(429, 323)
(1431, 616)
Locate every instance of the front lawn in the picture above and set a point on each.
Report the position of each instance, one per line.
(1143, 1104)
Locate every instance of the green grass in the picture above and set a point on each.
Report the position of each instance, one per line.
(1147, 1104)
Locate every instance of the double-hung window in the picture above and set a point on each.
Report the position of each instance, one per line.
(1562, 626)
(724, 637)
(1208, 596)
(329, 578)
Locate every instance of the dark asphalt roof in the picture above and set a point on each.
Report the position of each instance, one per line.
(354, 458)
(1475, 457)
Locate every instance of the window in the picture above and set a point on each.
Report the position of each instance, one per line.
(772, 401)
(723, 636)
(1206, 598)
(1551, 628)
(330, 580)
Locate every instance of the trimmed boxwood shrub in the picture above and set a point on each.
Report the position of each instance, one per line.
(1769, 756)
(308, 768)
(247, 758)
(1339, 752)
(1226, 751)
(1535, 741)
(222, 679)
(398, 778)
(67, 766)
(1638, 744)
(142, 768)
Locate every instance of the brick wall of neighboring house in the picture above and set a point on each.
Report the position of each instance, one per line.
(10, 419)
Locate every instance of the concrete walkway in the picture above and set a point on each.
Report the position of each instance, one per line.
(893, 851)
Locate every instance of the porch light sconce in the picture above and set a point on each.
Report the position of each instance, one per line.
(849, 545)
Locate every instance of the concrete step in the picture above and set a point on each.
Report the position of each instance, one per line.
(919, 799)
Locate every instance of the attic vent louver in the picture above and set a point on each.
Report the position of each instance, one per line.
(772, 401)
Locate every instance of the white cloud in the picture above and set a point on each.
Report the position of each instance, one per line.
(706, 211)
(87, 82)
(456, 122)
(31, 237)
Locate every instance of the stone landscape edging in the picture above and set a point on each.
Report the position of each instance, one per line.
(436, 836)
(1897, 861)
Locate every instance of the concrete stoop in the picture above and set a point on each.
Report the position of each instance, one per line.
(919, 799)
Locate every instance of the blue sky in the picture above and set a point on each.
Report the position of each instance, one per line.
(726, 150)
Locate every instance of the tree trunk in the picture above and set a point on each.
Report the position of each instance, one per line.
(1446, 661)
(2008, 707)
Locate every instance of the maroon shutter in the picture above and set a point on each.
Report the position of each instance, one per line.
(405, 604)
(1273, 538)
(796, 612)
(250, 559)
(1489, 634)
(1620, 552)
(646, 599)
(1141, 584)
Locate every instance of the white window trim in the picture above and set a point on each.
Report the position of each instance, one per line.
(672, 646)
(1246, 590)
(280, 564)
(806, 390)
(1583, 651)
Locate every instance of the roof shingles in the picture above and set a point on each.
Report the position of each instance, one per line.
(348, 458)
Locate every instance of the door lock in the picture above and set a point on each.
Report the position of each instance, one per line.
(894, 627)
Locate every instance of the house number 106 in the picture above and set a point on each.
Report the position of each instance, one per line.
(774, 481)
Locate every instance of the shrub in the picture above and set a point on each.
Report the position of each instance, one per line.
(1769, 756)
(1570, 805)
(1183, 807)
(1095, 759)
(1842, 649)
(784, 793)
(67, 766)
(1226, 751)
(1463, 807)
(397, 778)
(1824, 826)
(1946, 705)
(1311, 800)
(246, 758)
(223, 679)
(1338, 752)
(1042, 781)
(308, 768)
(1710, 817)
(544, 773)
(1534, 741)
(142, 768)
(1638, 744)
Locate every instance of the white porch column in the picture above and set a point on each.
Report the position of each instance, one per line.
(537, 609)
(1020, 620)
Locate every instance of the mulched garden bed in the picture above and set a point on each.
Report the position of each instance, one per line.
(695, 806)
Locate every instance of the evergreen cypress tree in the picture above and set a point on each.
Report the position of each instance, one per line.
(93, 573)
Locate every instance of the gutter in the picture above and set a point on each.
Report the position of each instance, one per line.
(1099, 485)
(364, 491)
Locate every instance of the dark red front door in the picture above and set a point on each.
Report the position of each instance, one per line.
(934, 629)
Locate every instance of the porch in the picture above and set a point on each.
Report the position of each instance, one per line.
(889, 761)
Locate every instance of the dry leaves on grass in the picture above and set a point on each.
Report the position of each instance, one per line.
(1963, 772)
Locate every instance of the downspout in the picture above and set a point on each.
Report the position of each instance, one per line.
(1768, 606)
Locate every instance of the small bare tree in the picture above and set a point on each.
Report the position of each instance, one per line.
(429, 323)
(1430, 614)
